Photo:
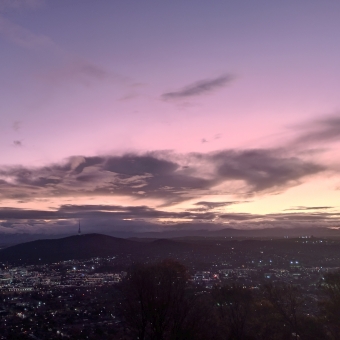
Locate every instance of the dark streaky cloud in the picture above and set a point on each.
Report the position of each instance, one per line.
(169, 177)
(213, 205)
(17, 143)
(319, 131)
(308, 208)
(239, 216)
(112, 212)
(140, 218)
(263, 169)
(200, 87)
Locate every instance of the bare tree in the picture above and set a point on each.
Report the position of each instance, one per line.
(234, 304)
(286, 302)
(155, 304)
(330, 306)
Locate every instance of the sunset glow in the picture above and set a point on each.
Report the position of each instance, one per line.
(146, 116)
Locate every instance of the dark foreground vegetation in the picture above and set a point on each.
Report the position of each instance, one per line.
(157, 301)
(158, 304)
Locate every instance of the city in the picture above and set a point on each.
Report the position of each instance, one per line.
(170, 170)
(81, 299)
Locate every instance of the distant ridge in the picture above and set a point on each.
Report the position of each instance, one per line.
(85, 247)
(147, 245)
(127, 251)
(251, 233)
(72, 247)
(185, 231)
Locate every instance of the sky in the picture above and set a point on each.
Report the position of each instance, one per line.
(166, 115)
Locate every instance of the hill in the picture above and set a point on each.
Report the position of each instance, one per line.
(198, 250)
(73, 247)
(88, 246)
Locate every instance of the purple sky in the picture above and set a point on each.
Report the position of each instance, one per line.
(145, 115)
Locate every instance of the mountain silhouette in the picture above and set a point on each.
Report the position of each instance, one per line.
(84, 247)
(73, 247)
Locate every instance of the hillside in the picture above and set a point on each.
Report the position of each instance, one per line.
(73, 247)
(88, 246)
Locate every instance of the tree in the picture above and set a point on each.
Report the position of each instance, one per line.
(331, 305)
(286, 301)
(266, 324)
(155, 304)
(234, 304)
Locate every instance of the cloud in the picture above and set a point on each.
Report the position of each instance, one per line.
(23, 37)
(263, 169)
(216, 137)
(102, 218)
(6, 5)
(82, 71)
(323, 130)
(167, 177)
(200, 87)
(18, 34)
(17, 143)
(97, 216)
(16, 126)
(240, 217)
(213, 205)
(283, 219)
(308, 208)
(90, 70)
(102, 176)
(74, 68)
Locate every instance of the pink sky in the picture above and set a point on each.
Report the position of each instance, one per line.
(233, 103)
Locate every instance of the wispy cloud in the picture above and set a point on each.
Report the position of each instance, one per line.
(74, 68)
(24, 37)
(308, 208)
(17, 143)
(82, 71)
(217, 136)
(97, 211)
(200, 87)
(240, 217)
(214, 205)
(18, 34)
(16, 126)
(324, 130)
(142, 218)
(6, 5)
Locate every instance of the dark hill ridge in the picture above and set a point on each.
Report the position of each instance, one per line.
(85, 247)
(202, 251)
(185, 232)
(244, 233)
(73, 247)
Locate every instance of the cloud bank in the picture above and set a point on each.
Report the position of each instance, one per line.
(110, 218)
(324, 130)
(168, 177)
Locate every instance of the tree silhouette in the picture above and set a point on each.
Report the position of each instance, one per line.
(156, 303)
(331, 305)
(234, 304)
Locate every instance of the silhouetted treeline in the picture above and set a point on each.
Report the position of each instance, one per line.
(159, 304)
